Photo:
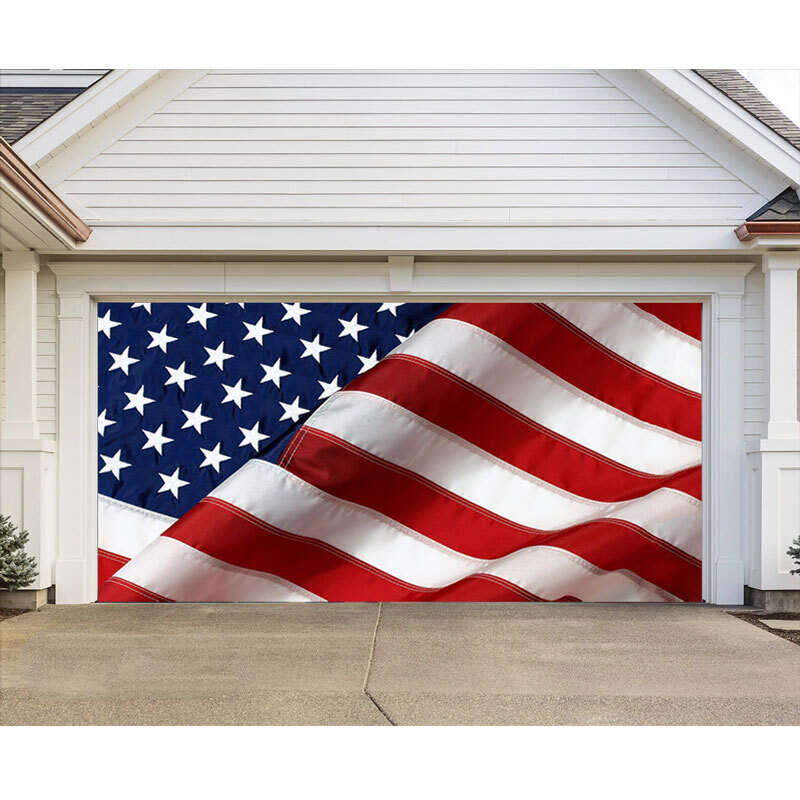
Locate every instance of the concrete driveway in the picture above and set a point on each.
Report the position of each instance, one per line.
(414, 664)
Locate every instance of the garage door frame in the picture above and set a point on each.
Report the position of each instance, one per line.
(719, 286)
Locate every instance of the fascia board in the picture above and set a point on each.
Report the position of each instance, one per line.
(733, 120)
(82, 112)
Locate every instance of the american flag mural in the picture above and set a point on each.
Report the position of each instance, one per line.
(399, 451)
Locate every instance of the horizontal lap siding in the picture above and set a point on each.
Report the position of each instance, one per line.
(755, 372)
(47, 354)
(2, 346)
(405, 148)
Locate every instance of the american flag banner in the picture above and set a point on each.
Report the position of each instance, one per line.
(399, 451)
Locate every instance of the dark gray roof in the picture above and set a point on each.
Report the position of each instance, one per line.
(21, 110)
(784, 208)
(28, 97)
(741, 91)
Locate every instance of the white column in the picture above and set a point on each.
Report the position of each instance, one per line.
(780, 297)
(76, 571)
(778, 507)
(20, 329)
(724, 451)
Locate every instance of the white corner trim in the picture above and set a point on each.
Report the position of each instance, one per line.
(723, 113)
(81, 112)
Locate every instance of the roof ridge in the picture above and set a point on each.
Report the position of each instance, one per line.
(745, 94)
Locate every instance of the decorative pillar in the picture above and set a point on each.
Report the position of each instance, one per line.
(27, 463)
(723, 448)
(76, 572)
(778, 506)
(780, 295)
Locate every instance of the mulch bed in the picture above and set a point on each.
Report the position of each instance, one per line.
(755, 619)
(7, 613)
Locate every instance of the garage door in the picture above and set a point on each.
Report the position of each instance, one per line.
(399, 451)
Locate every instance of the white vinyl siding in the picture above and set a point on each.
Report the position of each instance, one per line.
(2, 346)
(405, 148)
(755, 366)
(46, 354)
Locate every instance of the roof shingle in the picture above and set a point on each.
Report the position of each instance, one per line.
(735, 86)
(21, 110)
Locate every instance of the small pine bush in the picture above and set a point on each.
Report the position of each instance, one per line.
(794, 553)
(17, 568)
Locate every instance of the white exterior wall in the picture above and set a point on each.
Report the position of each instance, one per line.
(47, 354)
(755, 364)
(2, 347)
(405, 147)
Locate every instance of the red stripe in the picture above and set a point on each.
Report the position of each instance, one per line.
(548, 339)
(686, 317)
(107, 564)
(433, 393)
(343, 470)
(226, 532)
(118, 590)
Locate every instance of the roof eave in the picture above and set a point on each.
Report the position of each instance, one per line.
(22, 178)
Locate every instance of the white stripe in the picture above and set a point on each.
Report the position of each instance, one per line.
(285, 501)
(640, 338)
(503, 372)
(125, 529)
(178, 572)
(399, 436)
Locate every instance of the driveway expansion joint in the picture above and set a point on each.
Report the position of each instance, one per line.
(364, 687)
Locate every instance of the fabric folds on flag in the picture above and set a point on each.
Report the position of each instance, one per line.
(502, 452)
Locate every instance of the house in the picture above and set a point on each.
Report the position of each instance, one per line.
(194, 185)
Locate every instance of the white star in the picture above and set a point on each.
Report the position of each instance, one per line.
(294, 311)
(179, 376)
(145, 306)
(137, 401)
(313, 349)
(105, 324)
(172, 483)
(113, 464)
(103, 423)
(293, 410)
(368, 363)
(401, 338)
(160, 339)
(256, 331)
(213, 458)
(329, 388)
(351, 328)
(390, 307)
(235, 394)
(156, 439)
(200, 314)
(274, 373)
(217, 355)
(195, 419)
(122, 361)
(252, 437)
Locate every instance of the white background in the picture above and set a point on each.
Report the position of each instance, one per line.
(544, 763)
